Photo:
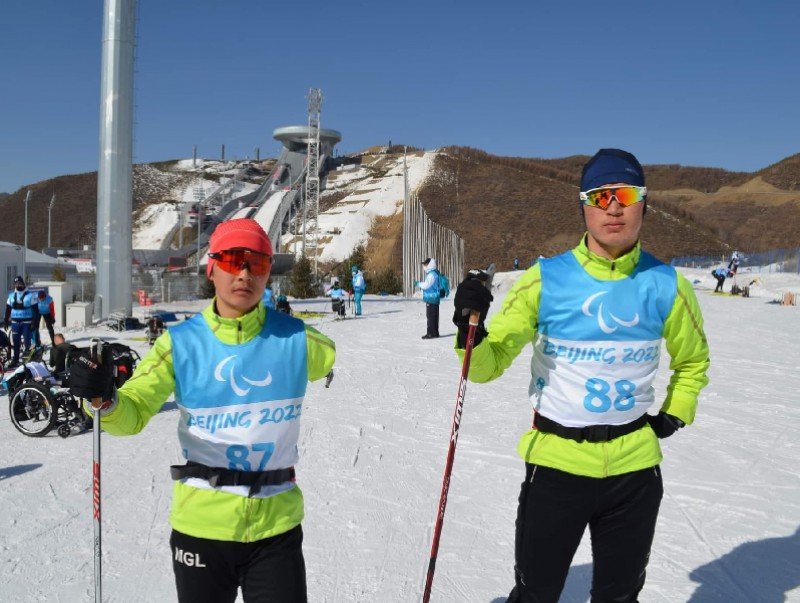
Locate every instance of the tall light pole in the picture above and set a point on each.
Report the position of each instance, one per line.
(50, 218)
(199, 197)
(25, 246)
(115, 170)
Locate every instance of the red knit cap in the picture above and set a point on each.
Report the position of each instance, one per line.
(243, 233)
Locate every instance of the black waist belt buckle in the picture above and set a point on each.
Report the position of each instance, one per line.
(597, 433)
(590, 433)
(218, 476)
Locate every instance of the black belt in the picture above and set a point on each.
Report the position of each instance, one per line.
(590, 433)
(218, 476)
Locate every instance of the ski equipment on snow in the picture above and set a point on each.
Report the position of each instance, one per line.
(328, 379)
(96, 354)
(474, 317)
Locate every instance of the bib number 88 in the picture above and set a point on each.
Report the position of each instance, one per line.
(598, 400)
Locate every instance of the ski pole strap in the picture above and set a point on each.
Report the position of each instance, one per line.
(217, 476)
(590, 433)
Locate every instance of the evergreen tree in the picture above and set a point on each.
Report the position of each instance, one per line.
(301, 281)
(387, 281)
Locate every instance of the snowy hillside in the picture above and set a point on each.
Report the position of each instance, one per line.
(155, 222)
(373, 189)
(372, 452)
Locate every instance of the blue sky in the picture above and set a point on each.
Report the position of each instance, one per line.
(696, 83)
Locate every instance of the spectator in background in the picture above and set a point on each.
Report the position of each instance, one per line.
(20, 311)
(337, 295)
(720, 274)
(47, 312)
(268, 298)
(733, 266)
(430, 295)
(283, 305)
(359, 287)
(516, 263)
(58, 354)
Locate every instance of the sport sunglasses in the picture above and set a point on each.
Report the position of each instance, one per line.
(625, 196)
(234, 261)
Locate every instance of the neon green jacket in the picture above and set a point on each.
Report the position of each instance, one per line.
(210, 513)
(515, 326)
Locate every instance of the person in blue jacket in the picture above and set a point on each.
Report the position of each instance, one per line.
(337, 295)
(47, 313)
(359, 288)
(721, 274)
(20, 312)
(431, 297)
(268, 298)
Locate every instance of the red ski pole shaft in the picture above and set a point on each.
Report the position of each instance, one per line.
(96, 352)
(474, 317)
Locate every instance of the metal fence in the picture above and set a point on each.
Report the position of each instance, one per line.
(774, 260)
(159, 286)
(424, 238)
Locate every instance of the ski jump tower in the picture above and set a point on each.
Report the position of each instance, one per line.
(311, 204)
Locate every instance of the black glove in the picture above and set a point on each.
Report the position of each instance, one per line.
(471, 295)
(665, 425)
(89, 379)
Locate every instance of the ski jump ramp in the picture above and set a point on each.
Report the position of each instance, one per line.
(279, 197)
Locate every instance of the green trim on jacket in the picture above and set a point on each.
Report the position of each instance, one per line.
(515, 326)
(210, 513)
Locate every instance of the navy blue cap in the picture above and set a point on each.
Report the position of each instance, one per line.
(609, 166)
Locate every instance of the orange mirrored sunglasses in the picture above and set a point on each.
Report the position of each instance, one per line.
(234, 261)
(625, 196)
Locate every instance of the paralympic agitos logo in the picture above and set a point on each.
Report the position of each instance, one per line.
(601, 320)
(231, 378)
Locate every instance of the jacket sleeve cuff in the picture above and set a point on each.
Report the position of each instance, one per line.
(681, 405)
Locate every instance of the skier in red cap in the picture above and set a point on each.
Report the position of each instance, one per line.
(239, 373)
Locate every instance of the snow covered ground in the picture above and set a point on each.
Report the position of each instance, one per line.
(372, 453)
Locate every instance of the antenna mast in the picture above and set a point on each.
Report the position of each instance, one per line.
(311, 205)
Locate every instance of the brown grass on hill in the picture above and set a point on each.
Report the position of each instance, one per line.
(508, 209)
(385, 245)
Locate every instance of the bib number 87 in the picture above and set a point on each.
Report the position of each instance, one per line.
(238, 456)
(598, 400)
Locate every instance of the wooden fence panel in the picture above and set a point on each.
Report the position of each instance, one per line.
(424, 238)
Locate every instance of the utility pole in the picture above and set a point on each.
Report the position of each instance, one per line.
(50, 218)
(405, 179)
(25, 247)
(180, 225)
(200, 197)
(311, 212)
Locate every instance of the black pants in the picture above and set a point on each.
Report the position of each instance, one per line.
(49, 322)
(268, 571)
(432, 314)
(554, 509)
(720, 282)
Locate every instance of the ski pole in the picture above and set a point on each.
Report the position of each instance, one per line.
(96, 354)
(474, 317)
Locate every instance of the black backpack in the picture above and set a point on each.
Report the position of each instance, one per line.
(125, 361)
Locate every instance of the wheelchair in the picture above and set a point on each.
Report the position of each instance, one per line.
(37, 403)
(36, 408)
(5, 351)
